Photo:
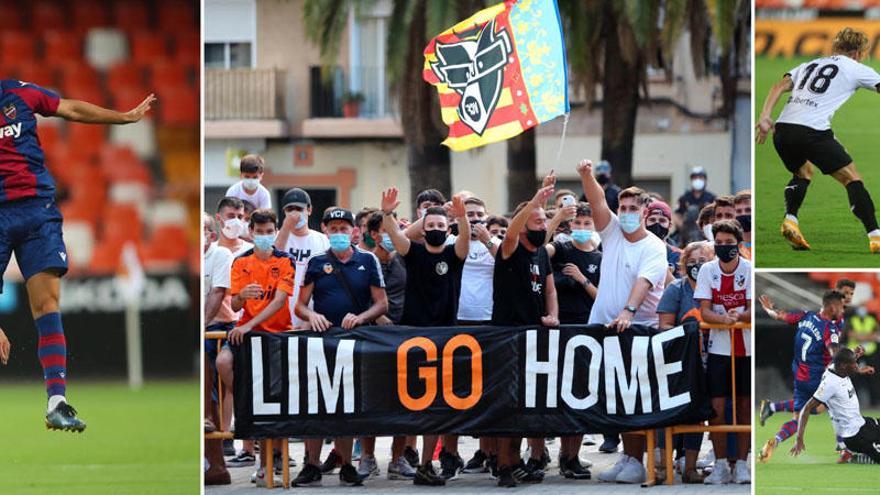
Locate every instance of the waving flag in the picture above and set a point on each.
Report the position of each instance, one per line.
(499, 72)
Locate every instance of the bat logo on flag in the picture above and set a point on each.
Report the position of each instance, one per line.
(474, 68)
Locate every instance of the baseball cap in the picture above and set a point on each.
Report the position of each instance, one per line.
(698, 171)
(660, 207)
(603, 167)
(337, 213)
(296, 197)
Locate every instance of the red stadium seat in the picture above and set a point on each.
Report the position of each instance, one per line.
(62, 46)
(169, 73)
(91, 138)
(147, 46)
(88, 14)
(131, 15)
(178, 107)
(122, 223)
(127, 98)
(169, 243)
(17, 47)
(105, 258)
(123, 76)
(176, 16)
(49, 133)
(35, 73)
(187, 47)
(80, 210)
(12, 14)
(78, 74)
(85, 92)
(49, 14)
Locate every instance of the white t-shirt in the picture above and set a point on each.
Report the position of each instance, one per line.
(218, 265)
(245, 247)
(838, 394)
(726, 291)
(260, 198)
(624, 262)
(303, 248)
(475, 300)
(823, 85)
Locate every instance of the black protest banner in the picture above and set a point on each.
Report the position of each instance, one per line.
(528, 381)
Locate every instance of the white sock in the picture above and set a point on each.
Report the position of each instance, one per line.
(874, 233)
(792, 218)
(773, 406)
(54, 401)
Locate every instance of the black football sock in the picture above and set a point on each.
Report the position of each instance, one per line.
(795, 192)
(861, 204)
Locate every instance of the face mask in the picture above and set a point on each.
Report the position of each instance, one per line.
(603, 179)
(693, 269)
(629, 222)
(264, 242)
(340, 242)
(707, 232)
(368, 241)
(726, 252)
(658, 230)
(581, 236)
(536, 237)
(453, 229)
(698, 184)
(387, 245)
(302, 221)
(745, 221)
(250, 184)
(233, 228)
(435, 238)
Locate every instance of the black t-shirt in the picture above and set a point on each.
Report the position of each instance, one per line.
(394, 274)
(689, 206)
(518, 284)
(574, 302)
(433, 283)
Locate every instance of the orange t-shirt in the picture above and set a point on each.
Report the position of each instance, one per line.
(274, 274)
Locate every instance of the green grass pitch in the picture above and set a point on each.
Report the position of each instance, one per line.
(143, 442)
(815, 471)
(837, 238)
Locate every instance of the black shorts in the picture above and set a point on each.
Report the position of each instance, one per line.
(797, 144)
(718, 376)
(867, 440)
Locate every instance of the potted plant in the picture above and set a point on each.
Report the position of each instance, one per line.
(351, 104)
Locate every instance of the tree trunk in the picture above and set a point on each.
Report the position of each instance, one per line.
(521, 169)
(620, 100)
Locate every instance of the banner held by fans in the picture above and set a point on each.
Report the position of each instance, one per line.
(499, 72)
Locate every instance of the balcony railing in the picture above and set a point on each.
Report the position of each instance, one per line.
(243, 94)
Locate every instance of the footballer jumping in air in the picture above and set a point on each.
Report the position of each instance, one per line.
(30, 223)
(802, 134)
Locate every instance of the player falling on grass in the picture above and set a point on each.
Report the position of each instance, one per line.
(30, 221)
(837, 394)
(802, 133)
(816, 341)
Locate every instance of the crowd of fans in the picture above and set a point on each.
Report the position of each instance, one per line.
(616, 257)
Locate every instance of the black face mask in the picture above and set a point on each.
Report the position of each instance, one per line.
(435, 238)
(453, 229)
(693, 269)
(658, 230)
(726, 252)
(603, 179)
(745, 221)
(536, 237)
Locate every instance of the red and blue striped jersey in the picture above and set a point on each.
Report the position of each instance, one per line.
(23, 172)
(812, 342)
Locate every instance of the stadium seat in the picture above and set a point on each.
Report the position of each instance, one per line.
(164, 73)
(169, 243)
(16, 46)
(131, 15)
(122, 221)
(140, 137)
(78, 74)
(187, 47)
(90, 138)
(62, 46)
(48, 15)
(105, 257)
(106, 47)
(179, 107)
(129, 192)
(175, 16)
(124, 76)
(49, 132)
(79, 238)
(79, 212)
(168, 212)
(148, 46)
(87, 14)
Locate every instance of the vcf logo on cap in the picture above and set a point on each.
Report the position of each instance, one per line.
(336, 214)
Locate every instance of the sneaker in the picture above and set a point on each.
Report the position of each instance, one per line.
(845, 457)
(766, 412)
(506, 478)
(792, 233)
(492, 465)
(426, 476)
(610, 475)
(243, 459)
(529, 472)
(367, 466)
(309, 476)
(400, 470)
(720, 475)
(707, 463)
(476, 464)
(741, 474)
(589, 440)
(767, 450)
(63, 417)
(571, 468)
(632, 472)
(874, 244)
(260, 479)
(228, 447)
(412, 456)
(332, 462)
(609, 445)
(692, 478)
(348, 475)
(450, 465)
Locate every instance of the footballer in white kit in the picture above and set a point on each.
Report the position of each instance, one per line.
(802, 134)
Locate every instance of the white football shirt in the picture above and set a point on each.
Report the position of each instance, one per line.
(475, 300)
(726, 291)
(302, 248)
(260, 198)
(839, 395)
(823, 85)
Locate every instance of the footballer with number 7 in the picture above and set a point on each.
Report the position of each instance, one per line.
(802, 134)
(30, 223)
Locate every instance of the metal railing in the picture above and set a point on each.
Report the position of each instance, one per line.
(244, 94)
(329, 87)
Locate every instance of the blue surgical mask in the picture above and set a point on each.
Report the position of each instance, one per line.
(630, 222)
(582, 236)
(264, 242)
(387, 245)
(340, 242)
(302, 221)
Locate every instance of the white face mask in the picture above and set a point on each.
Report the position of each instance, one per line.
(707, 232)
(698, 184)
(250, 184)
(233, 228)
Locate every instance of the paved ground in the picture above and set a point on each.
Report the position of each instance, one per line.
(472, 483)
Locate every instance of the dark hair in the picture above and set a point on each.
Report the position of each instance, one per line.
(374, 223)
(831, 296)
(230, 202)
(432, 195)
(583, 210)
(473, 200)
(262, 216)
(365, 212)
(724, 202)
(729, 226)
(844, 355)
(251, 164)
(633, 192)
(248, 206)
(436, 210)
(497, 220)
(706, 213)
(845, 282)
